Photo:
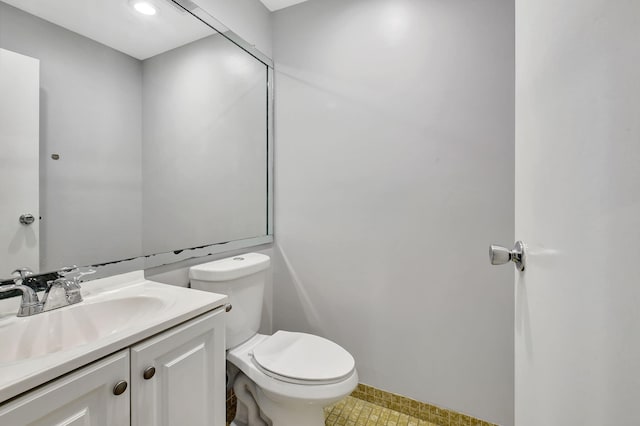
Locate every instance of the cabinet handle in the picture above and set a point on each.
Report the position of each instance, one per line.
(149, 372)
(120, 387)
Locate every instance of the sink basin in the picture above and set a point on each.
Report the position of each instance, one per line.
(117, 312)
(73, 326)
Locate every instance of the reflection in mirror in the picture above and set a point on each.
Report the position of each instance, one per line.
(125, 134)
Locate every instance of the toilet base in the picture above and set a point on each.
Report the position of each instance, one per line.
(292, 413)
(281, 414)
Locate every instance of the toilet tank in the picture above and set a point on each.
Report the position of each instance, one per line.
(242, 279)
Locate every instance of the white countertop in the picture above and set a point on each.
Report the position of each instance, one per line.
(173, 305)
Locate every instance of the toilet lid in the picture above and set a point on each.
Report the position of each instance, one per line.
(303, 357)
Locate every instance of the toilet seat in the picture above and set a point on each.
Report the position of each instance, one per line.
(242, 357)
(302, 358)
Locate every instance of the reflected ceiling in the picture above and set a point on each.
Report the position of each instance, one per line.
(117, 24)
(274, 5)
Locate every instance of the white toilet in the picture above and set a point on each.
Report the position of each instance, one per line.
(285, 379)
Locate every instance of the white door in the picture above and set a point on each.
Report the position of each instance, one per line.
(83, 398)
(19, 165)
(178, 377)
(577, 336)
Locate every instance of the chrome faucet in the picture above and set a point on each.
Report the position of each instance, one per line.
(60, 292)
(29, 305)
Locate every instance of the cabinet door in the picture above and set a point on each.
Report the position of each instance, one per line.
(82, 398)
(188, 387)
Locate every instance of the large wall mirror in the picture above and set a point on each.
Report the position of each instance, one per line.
(131, 132)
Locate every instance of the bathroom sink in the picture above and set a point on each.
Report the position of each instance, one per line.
(116, 312)
(75, 325)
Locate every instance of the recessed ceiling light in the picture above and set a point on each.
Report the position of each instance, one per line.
(145, 8)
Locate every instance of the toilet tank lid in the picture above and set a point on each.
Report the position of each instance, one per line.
(230, 268)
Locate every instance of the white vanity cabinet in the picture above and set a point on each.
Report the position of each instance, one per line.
(187, 387)
(82, 398)
(178, 377)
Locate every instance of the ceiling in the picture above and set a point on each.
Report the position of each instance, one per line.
(116, 24)
(274, 5)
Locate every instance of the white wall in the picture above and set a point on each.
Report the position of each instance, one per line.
(394, 171)
(577, 340)
(250, 19)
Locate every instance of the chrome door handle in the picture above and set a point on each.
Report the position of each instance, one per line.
(500, 255)
(27, 219)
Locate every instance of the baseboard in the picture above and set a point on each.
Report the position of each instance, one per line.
(411, 407)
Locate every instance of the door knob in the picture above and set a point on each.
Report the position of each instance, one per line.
(27, 219)
(500, 255)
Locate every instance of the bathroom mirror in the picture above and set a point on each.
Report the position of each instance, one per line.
(132, 133)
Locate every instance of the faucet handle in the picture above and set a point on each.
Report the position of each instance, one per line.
(23, 272)
(81, 274)
(76, 273)
(66, 270)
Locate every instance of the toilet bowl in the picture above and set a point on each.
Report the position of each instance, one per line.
(293, 389)
(284, 379)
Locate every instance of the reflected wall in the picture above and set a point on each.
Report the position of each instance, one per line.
(159, 149)
(209, 96)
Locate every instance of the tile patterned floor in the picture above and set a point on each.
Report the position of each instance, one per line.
(356, 412)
